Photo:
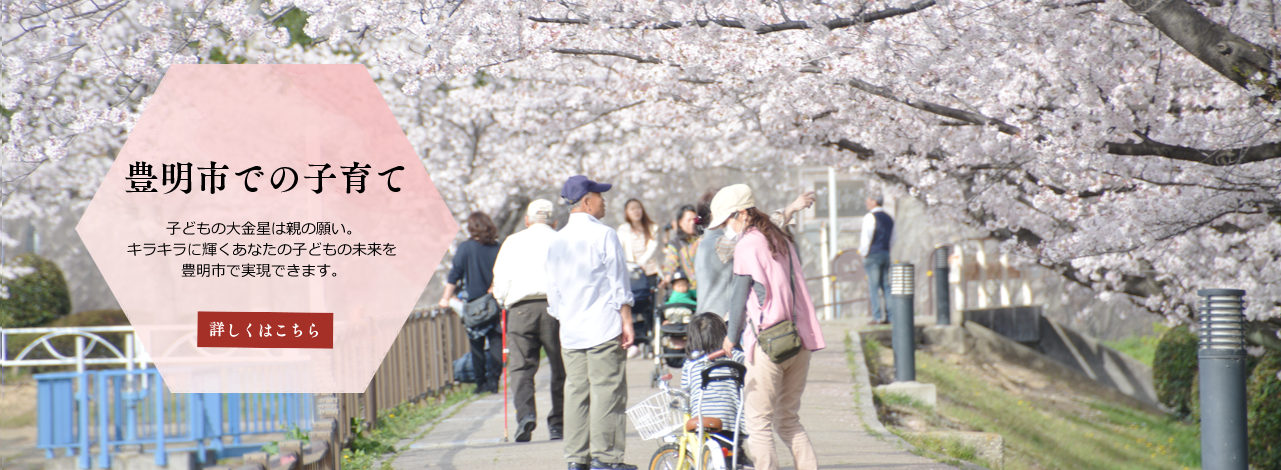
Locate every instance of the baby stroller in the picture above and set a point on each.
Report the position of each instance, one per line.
(642, 309)
(669, 337)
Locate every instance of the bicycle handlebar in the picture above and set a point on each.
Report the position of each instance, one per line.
(662, 385)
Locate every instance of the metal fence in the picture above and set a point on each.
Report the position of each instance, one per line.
(103, 411)
(420, 364)
(107, 409)
(90, 347)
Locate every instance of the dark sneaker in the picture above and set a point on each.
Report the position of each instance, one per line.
(598, 465)
(556, 433)
(579, 466)
(526, 428)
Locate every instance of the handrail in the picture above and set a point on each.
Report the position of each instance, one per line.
(417, 366)
(132, 357)
(864, 299)
(833, 276)
(94, 412)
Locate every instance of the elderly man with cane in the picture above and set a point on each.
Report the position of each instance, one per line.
(589, 291)
(520, 285)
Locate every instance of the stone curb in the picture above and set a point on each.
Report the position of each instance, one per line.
(867, 407)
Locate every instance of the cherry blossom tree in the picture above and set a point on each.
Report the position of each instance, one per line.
(1130, 145)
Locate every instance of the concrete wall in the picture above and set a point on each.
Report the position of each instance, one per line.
(986, 345)
(1100, 363)
(1026, 325)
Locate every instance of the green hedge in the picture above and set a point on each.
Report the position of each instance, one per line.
(1264, 392)
(1174, 369)
(36, 298)
(1194, 399)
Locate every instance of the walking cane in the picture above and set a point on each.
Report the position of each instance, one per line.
(504, 327)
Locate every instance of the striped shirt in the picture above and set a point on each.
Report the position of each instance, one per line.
(722, 396)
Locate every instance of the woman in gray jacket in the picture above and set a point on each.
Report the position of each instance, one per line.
(714, 264)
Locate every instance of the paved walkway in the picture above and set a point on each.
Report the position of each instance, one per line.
(834, 412)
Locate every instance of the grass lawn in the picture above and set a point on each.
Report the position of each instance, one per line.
(1143, 347)
(1044, 424)
(394, 425)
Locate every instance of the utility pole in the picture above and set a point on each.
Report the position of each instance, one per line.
(832, 250)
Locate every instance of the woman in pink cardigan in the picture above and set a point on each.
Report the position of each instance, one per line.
(769, 287)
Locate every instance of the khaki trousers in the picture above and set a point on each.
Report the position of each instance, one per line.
(595, 403)
(773, 403)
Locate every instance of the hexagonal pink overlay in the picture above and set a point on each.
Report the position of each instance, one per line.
(270, 116)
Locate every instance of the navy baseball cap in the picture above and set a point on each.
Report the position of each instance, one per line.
(578, 186)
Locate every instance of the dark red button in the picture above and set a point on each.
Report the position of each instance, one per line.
(291, 330)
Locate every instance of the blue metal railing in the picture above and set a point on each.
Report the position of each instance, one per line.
(106, 409)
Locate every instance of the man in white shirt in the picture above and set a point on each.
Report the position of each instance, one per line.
(520, 285)
(589, 291)
(876, 239)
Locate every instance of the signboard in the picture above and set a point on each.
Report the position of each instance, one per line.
(267, 224)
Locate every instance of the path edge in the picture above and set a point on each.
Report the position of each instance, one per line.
(401, 447)
(867, 407)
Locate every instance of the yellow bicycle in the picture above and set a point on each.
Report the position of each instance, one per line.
(667, 416)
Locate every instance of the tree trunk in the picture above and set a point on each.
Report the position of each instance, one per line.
(1230, 55)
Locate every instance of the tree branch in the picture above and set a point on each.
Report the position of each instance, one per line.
(1053, 6)
(602, 115)
(625, 55)
(1225, 157)
(538, 19)
(860, 150)
(945, 111)
(837, 23)
(1211, 43)
(870, 17)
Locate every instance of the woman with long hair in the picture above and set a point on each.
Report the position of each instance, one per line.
(768, 289)
(715, 261)
(474, 266)
(639, 236)
(683, 245)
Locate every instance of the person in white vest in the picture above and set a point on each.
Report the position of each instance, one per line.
(874, 245)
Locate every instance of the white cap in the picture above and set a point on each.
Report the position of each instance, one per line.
(540, 210)
(729, 200)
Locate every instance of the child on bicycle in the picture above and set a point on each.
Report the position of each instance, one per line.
(721, 398)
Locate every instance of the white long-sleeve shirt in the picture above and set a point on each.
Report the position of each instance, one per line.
(869, 229)
(520, 272)
(587, 282)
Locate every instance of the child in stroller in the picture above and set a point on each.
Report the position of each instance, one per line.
(681, 292)
(669, 338)
(680, 305)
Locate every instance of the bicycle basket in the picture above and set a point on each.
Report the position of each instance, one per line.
(656, 416)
